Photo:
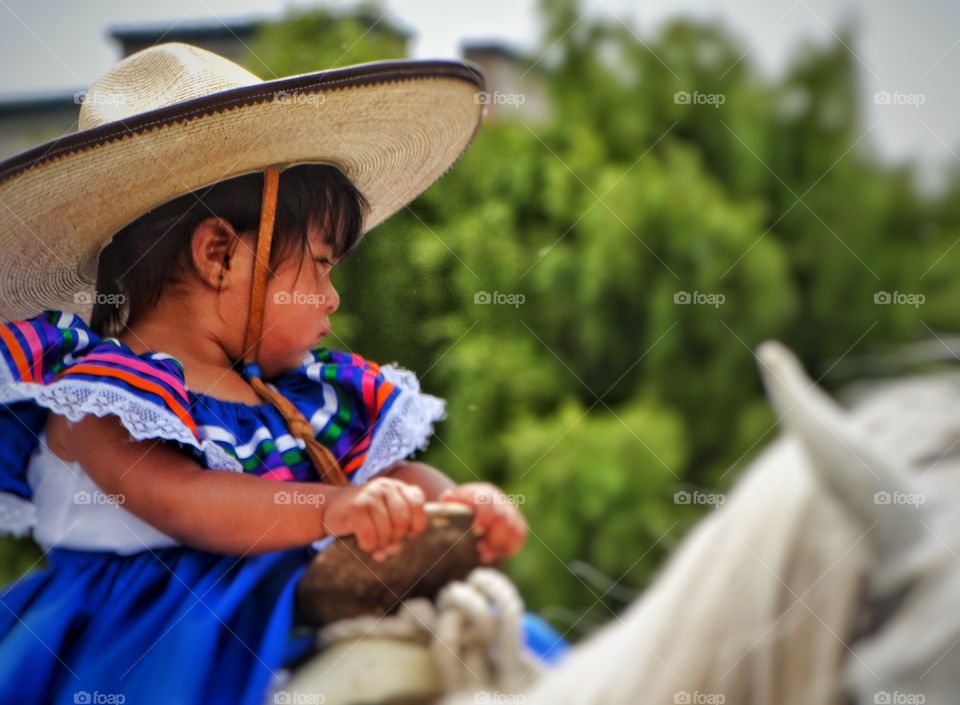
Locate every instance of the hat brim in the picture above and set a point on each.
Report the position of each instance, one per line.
(393, 128)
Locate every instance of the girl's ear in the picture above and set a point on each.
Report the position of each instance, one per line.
(212, 246)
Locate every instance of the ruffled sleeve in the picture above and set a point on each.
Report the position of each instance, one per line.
(54, 362)
(369, 415)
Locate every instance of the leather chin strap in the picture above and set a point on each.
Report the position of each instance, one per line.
(323, 460)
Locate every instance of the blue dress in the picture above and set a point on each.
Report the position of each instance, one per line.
(121, 612)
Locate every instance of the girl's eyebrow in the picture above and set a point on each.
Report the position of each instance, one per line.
(313, 254)
(332, 261)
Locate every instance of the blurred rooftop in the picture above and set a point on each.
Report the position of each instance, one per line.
(30, 120)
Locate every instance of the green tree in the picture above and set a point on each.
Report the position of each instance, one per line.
(599, 392)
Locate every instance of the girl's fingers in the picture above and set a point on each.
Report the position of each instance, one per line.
(484, 516)
(481, 510)
(381, 521)
(500, 538)
(486, 556)
(418, 513)
(364, 531)
(506, 537)
(399, 514)
(450, 495)
(387, 513)
(393, 510)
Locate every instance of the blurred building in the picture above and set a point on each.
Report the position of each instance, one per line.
(29, 121)
(514, 89)
(514, 85)
(229, 39)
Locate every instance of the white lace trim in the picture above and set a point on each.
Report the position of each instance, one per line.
(75, 399)
(17, 515)
(407, 427)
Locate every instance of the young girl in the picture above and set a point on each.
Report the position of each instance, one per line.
(206, 350)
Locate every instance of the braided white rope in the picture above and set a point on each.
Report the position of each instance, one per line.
(473, 632)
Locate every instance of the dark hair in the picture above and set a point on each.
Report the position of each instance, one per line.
(154, 250)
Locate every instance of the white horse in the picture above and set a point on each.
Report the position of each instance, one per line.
(827, 576)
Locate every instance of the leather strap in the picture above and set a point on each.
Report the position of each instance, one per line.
(321, 457)
(268, 212)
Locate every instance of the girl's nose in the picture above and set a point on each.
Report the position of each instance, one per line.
(332, 300)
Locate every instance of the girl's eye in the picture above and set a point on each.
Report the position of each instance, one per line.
(323, 260)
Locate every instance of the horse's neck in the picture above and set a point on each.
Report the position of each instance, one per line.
(733, 605)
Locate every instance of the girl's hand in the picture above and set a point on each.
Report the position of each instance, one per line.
(496, 520)
(380, 514)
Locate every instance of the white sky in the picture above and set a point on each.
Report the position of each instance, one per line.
(913, 48)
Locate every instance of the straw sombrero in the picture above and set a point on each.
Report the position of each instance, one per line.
(173, 118)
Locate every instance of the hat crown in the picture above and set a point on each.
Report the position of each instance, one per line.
(156, 77)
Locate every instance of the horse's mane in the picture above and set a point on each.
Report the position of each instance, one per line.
(755, 606)
(764, 601)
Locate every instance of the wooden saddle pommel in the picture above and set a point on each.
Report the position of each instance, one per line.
(342, 581)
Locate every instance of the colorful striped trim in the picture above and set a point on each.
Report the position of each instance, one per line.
(369, 416)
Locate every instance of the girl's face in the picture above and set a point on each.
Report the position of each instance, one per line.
(215, 306)
(299, 302)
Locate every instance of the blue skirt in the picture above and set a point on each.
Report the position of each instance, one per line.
(173, 625)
